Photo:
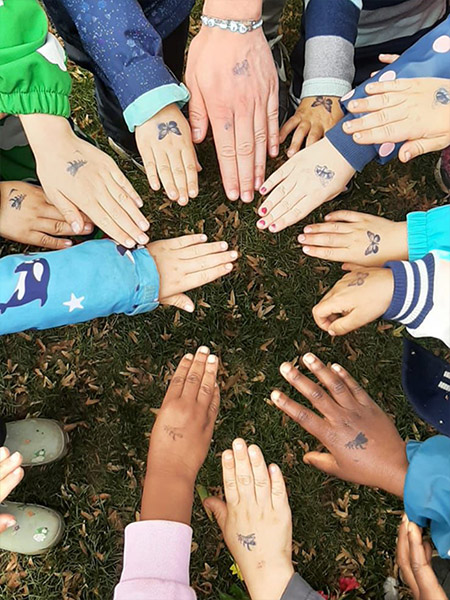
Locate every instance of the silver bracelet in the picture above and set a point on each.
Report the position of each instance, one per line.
(231, 24)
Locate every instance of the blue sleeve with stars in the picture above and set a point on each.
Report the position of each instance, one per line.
(127, 51)
(94, 279)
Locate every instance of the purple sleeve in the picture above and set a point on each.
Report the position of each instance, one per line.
(156, 562)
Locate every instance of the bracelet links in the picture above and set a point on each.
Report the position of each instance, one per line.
(231, 24)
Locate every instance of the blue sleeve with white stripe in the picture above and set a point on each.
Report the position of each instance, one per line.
(421, 298)
(428, 231)
(429, 57)
(94, 279)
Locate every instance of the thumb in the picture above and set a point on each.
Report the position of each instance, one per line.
(323, 461)
(219, 509)
(350, 267)
(6, 521)
(198, 115)
(179, 301)
(69, 211)
(416, 148)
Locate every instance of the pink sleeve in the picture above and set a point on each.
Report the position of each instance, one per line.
(156, 562)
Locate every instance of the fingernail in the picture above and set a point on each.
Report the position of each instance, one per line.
(285, 368)
(129, 243)
(204, 350)
(188, 356)
(274, 150)
(308, 229)
(263, 211)
(408, 156)
(263, 190)
(196, 134)
(234, 255)
(229, 267)
(275, 396)
(173, 195)
(238, 445)
(309, 358)
(144, 225)
(68, 243)
(227, 455)
(306, 249)
(193, 193)
(273, 227)
(357, 136)
(332, 333)
(247, 197)
(336, 368)
(273, 469)
(352, 106)
(143, 239)
(16, 457)
(223, 246)
(76, 227)
(88, 227)
(261, 223)
(4, 453)
(182, 201)
(369, 88)
(139, 202)
(301, 237)
(204, 238)
(10, 523)
(290, 153)
(211, 359)
(233, 195)
(347, 126)
(189, 308)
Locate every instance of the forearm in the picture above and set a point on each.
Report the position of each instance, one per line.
(233, 9)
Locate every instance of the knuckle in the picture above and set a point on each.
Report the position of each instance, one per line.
(244, 480)
(191, 168)
(177, 380)
(260, 138)
(59, 227)
(301, 415)
(214, 408)
(227, 152)
(338, 387)
(178, 171)
(193, 378)
(206, 389)
(261, 483)
(277, 490)
(245, 149)
(47, 241)
(317, 394)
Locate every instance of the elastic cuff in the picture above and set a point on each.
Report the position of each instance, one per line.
(38, 101)
(147, 290)
(417, 235)
(325, 86)
(400, 289)
(355, 154)
(149, 104)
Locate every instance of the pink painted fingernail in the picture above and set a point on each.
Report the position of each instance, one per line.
(261, 223)
(263, 210)
(263, 190)
(273, 227)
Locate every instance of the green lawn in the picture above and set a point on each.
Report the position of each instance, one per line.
(104, 379)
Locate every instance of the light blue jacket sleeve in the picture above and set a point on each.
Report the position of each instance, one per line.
(427, 489)
(428, 231)
(94, 279)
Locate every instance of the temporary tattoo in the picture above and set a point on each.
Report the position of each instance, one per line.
(227, 126)
(360, 279)
(327, 103)
(166, 128)
(374, 245)
(442, 96)
(75, 165)
(359, 443)
(247, 540)
(173, 433)
(16, 199)
(242, 69)
(325, 174)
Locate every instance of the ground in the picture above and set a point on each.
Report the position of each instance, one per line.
(105, 379)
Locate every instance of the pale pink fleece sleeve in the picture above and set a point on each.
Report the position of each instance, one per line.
(156, 562)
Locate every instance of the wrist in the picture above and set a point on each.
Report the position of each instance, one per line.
(233, 9)
(400, 241)
(39, 128)
(272, 585)
(396, 479)
(167, 497)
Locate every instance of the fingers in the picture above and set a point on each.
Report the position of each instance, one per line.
(423, 572)
(223, 131)
(334, 254)
(327, 240)
(335, 384)
(195, 376)
(381, 103)
(276, 178)
(290, 125)
(273, 128)
(180, 301)
(176, 385)
(330, 226)
(323, 461)
(208, 384)
(185, 241)
(149, 162)
(299, 137)
(195, 280)
(316, 133)
(6, 521)
(166, 176)
(347, 216)
(198, 115)
(332, 314)
(214, 405)
(313, 392)
(384, 87)
(244, 473)
(218, 509)
(126, 186)
(201, 249)
(279, 495)
(260, 127)
(245, 149)
(300, 414)
(179, 177)
(388, 58)
(229, 478)
(359, 393)
(10, 472)
(205, 263)
(416, 148)
(69, 211)
(271, 206)
(404, 558)
(43, 240)
(108, 225)
(191, 169)
(124, 212)
(260, 476)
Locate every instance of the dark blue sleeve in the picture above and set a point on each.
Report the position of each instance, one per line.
(429, 57)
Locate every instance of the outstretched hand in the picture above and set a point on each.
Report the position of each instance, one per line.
(11, 474)
(363, 444)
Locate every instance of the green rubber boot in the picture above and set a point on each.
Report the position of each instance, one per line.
(37, 529)
(39, 441)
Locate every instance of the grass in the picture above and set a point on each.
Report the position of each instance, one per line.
(103, 379)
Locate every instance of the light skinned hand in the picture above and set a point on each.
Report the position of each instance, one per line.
(415, 111)
(414, 560)
(255, 520)
(359, 298)
(307, 180)
(165, 145)
(363, 443)
(79, 178)
(312, 119)
(26, 217)
(234, 85)
(11, 474)
(352, 236)
(187, 263)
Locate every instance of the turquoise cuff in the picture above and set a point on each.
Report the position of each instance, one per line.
(146, 296)
(428, 231)
(325, 86)
(149, 104)
(417, 235)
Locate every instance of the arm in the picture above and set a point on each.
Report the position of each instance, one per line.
(427, 487)
(428, 231)
(421, 298)
(33, 73)
(429, 57)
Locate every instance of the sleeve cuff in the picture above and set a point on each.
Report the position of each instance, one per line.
(400, 289)
(325, 86)
(149, 104)
(298, 589)
(417, 235)
(46, 102)
(355, 154)
(146, 296)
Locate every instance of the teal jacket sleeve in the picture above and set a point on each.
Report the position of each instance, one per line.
(427, 489)
(428, 231)
(94, 279)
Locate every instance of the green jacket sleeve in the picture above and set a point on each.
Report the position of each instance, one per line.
(33, 72)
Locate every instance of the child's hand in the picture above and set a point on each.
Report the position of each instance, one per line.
(166, 147)
(413, 110)
(364, 445)
(313, 118)
(307, 180)
(11, 474)
(256, 520)
(351, 236)
(79, 178)
(181, 438)
(414, 560)
(26, 217)
(360, 297)
(187, 263)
